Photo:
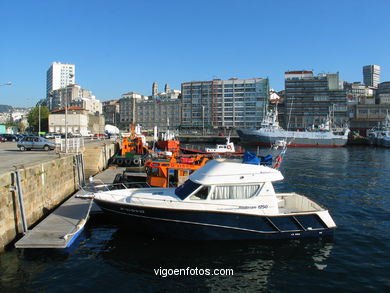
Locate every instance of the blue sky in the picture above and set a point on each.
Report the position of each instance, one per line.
(120, 46)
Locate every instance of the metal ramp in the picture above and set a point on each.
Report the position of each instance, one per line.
(63, 225)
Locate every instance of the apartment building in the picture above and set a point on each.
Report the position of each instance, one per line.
(111, 111)
(383, 93)
(161, 109)
(371, 75)
(90, 104)
(160, 112)
(309, 99)
(233, 103)
(127, 108)
(59, 75)
(73, 95)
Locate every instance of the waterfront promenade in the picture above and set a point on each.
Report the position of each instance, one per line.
(11, 156)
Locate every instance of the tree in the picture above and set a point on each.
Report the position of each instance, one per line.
(33, 118)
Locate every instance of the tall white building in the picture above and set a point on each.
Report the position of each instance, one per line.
(371, 75)
(59, 75)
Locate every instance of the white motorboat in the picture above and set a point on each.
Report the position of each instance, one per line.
(223, 200)
(228, 147)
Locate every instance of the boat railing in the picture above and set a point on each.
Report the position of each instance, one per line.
(99, 186)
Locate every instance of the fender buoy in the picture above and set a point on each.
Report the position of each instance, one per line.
(136, 161)
(119, 162)
(127, 161)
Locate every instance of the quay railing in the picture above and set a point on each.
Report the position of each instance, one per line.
(72, 145)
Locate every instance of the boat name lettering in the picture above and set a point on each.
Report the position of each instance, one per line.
(132, 210)
(246, 207)
(263, 206)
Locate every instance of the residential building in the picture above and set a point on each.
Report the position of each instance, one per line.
(371, 75)
(90, 104)
(59, 75)
(160, 112)
(160, 109)
(373, 111)
(77, 119)
(309, 99)
(67, 95)
(111, 111)
(383, 93)
(358, 94)
(232, 103)
(127, 108)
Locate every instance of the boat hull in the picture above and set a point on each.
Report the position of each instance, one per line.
(210, 225)
(300, 140)
(189, 151)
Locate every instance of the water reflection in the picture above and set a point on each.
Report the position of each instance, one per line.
(252, 262)
(354, 183)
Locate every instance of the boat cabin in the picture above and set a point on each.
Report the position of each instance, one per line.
(220, 182)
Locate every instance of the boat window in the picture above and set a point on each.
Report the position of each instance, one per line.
(235, 192)
(186, 189)
(201, 193)
(153, 171)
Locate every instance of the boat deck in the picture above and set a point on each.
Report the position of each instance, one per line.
(63, 225)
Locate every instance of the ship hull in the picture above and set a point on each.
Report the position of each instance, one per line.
(294, 138)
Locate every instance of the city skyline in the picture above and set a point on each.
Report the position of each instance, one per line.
(127, 46)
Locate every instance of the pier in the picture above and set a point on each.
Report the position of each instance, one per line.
(62, 227)
(41, 181)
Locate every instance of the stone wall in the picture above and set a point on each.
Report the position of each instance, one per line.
(45, 186)
(96, 157)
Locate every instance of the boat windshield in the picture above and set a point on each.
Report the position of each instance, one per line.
(186, 189)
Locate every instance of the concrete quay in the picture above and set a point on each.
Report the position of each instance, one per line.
(46, 179)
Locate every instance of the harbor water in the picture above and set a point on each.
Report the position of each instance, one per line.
(352, 182)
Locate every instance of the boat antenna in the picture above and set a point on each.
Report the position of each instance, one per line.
(289, 115)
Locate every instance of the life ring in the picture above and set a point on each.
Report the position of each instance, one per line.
(229, 147)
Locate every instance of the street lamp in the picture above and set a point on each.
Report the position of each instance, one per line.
(39, 119)
(203, 120)
(66, 120)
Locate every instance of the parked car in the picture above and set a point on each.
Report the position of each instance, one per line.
(35, 142)
(2, 139)
(10, 137)
(20, 136)
(70, 135)
(49, 135)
